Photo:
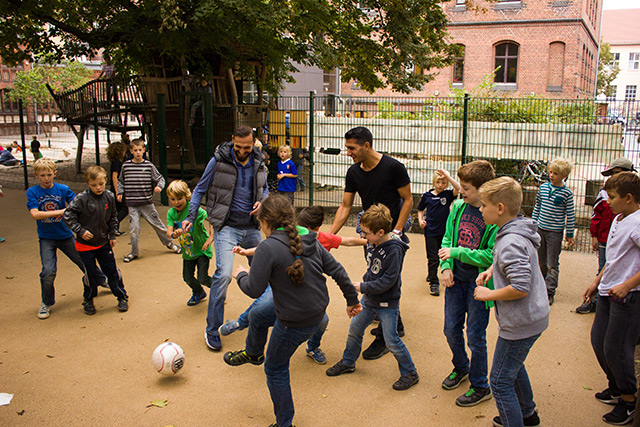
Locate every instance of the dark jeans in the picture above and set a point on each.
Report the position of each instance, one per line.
(104, 257)
(49, 259)
(283, 343)
(510, 383)
(433, 245)
(122, 210)
(458, 304)
(614, 334)
(549, 257)
(188, 273)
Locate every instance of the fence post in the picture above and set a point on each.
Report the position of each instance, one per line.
(24, 148)
(312, 97)
(95, 130)
(162, 144)
(465, 125)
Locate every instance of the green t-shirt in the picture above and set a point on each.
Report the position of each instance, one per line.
(192, 241)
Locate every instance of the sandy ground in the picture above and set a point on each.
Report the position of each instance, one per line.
(73, 369)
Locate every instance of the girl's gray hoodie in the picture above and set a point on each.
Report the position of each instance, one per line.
(515, 263)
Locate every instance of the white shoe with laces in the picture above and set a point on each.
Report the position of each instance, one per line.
(44, 311)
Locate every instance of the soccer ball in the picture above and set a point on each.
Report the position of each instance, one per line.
(168, 358)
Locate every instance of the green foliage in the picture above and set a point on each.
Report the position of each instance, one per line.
(607, 71)
(30, 86)
(373, 41)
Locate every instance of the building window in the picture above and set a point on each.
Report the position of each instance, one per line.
(458, 65)
(611, 93)
(506, 63)
(634, 60)
(461, 2)
(630, 93)
(555, 68)
(616, 59)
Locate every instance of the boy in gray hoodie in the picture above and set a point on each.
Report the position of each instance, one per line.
(521, 308)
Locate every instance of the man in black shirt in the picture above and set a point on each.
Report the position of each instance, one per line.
(377, 178)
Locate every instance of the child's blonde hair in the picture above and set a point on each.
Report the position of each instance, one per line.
(285, 148)
(437, 177)
(94, 172)
(503, 190)
(179, 189)
(42, 164)
(561, 166)
(376, 218)
(137, 142)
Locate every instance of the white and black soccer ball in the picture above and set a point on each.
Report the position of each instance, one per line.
(168, 358)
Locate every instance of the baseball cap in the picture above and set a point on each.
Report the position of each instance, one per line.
(620, 162)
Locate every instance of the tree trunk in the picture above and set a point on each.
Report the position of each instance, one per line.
(80, 137)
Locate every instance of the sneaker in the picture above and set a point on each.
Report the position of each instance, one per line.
(276, 425)
(435, 290)
(587, 307)
(473, 397)
(123, 304)
(376, 350)
(530, 421)
(317, 355)
(229, 327)
(608, 397)
(88, 306)
(196, 298)
(129, 258)
(406, 381)
(339, 369)
(212, 341)
(454, 379)
(174, 248)
(622, 413)
(44, 311)
(240, 357)
(120, 233)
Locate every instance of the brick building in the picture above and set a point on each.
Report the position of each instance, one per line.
(545, 47)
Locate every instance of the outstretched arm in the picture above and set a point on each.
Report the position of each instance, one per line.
(343, 212)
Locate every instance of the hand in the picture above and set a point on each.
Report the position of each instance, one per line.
(280, 176)
(447, 278)
(618, 291)
(443, 173)
(207, 243)
(594, 244)
(240, 251)
(590, 292)
(256, 206)
(186, 225)
(357, 286)
(354, 310)
(87, 235)
(444, 253)
(482, 293)
(177, 233)
(423, 223)
(240, 269)
(157, 189)
(571, 242)
(119, 197)
(484, 277)
(112, 242)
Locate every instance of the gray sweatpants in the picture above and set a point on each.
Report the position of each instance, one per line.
(549, 257)
(150, 214)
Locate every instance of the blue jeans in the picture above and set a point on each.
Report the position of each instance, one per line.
(283, 343)
(49, 259)
(261, 315)
(458, 303)
(189, 270)
(104, 256)
(389, 323)
(509, 380)
(224, 241)
(602, 256)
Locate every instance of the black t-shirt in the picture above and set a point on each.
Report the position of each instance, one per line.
(470, 231)
(379, 185)
(35, 146)
(116, 166)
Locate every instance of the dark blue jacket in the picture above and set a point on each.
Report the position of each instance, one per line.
(381, 283)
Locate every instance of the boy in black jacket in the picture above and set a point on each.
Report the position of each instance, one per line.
(381, 289)
(92, 216)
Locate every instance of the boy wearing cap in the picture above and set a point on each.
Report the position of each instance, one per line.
(601, 223)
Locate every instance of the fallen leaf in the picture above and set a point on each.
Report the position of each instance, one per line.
(324, 395)
(480, 416)
(159, 403)
(50, 356)
(20, 412)
(165, 340)
(586, 387)
(9, 277)
(25, 372)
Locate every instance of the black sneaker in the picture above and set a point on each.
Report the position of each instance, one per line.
(339, 369)
(435, 290)
(376, 350)
(622, 413)
(406, 381)
(240, 357)
(454, 379)
(473, 397)
(609, 397)
(88, 306)
(587, 307)
(530, 421)
(123, 304)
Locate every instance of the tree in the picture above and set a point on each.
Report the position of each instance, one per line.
(607, 71)
(373, 41)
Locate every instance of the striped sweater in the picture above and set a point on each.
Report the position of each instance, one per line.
(137, 181)
(554, 209)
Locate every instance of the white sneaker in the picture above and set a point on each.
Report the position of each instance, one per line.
(44, 311)
(174, 248)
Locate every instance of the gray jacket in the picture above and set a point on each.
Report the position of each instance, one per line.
(515, 263)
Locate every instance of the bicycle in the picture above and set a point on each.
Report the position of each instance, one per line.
(533, 171)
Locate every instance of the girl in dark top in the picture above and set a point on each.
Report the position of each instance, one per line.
(116, 153)
(294, 266)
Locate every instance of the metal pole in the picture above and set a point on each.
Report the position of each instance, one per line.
(312, 96)
(95, 129)
(24, 147)
(162, 143)
(465, 125)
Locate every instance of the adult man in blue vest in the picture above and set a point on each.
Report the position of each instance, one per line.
(235, 181)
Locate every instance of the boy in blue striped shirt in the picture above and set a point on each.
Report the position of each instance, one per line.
(554, 211)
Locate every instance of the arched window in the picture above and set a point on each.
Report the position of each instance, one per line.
(555, 67)
(506, 58)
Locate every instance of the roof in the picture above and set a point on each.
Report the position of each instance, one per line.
(620, 26)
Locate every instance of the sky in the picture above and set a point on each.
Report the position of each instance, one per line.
(621, 4)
